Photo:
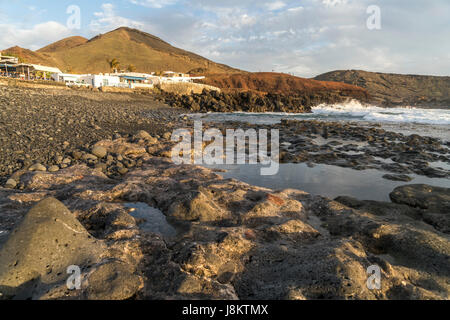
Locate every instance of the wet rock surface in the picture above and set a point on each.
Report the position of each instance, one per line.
(233, 241)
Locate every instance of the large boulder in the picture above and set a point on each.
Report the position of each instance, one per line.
(35, 260)
(39, 251)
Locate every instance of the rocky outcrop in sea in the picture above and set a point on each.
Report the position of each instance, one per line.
(249, 101)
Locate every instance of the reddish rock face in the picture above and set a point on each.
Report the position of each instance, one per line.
(274, 199)
(270, 82)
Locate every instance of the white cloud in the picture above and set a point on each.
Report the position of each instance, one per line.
(324, 35)
(306, 37)
(232, 18)
(108, 20)
(333, 3)
(33, 38)
(154, 3)
(295, 9)
(275, 5)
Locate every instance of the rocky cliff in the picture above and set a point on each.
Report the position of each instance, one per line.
(396, 89)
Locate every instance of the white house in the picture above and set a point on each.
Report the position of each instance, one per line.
(66, 78)
(132, 74)
(170, 76)
(27, 70)
(8, 59)
(100, 80)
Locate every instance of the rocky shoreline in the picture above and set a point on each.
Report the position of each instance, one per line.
(232, 240)
(78, 119)
(47, 125)
(92, 205)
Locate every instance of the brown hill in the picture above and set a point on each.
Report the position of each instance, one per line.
(281, 83)
(397, 89)
(130, 47)
(63, 44)
(29, 56)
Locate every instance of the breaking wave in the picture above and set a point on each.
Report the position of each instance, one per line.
(350, 111)
(356, 111)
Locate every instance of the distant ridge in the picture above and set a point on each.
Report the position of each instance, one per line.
(396, 89)
(29, 56)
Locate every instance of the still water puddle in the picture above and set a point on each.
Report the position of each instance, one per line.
(325, 180)
(151, 219)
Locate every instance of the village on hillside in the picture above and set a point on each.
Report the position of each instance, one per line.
(11, 67)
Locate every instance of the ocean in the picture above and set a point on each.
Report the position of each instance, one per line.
(333, 181)
(406, 120)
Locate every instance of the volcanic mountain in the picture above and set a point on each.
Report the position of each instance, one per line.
(129, 46)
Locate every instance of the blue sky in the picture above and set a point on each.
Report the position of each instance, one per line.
(304, 37)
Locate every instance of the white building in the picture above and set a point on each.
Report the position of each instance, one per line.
(122, 80)
(132, 74)
(100, 80)
(170, 76)
(67, 78)
(28, 70)
(8, 59)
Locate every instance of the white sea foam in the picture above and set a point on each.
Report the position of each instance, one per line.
(355, 110)
(352, 111)
(406, 120)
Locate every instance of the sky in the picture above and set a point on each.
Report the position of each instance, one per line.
(301, 37)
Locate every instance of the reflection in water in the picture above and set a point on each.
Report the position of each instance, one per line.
(325, 180)
(153, 220)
